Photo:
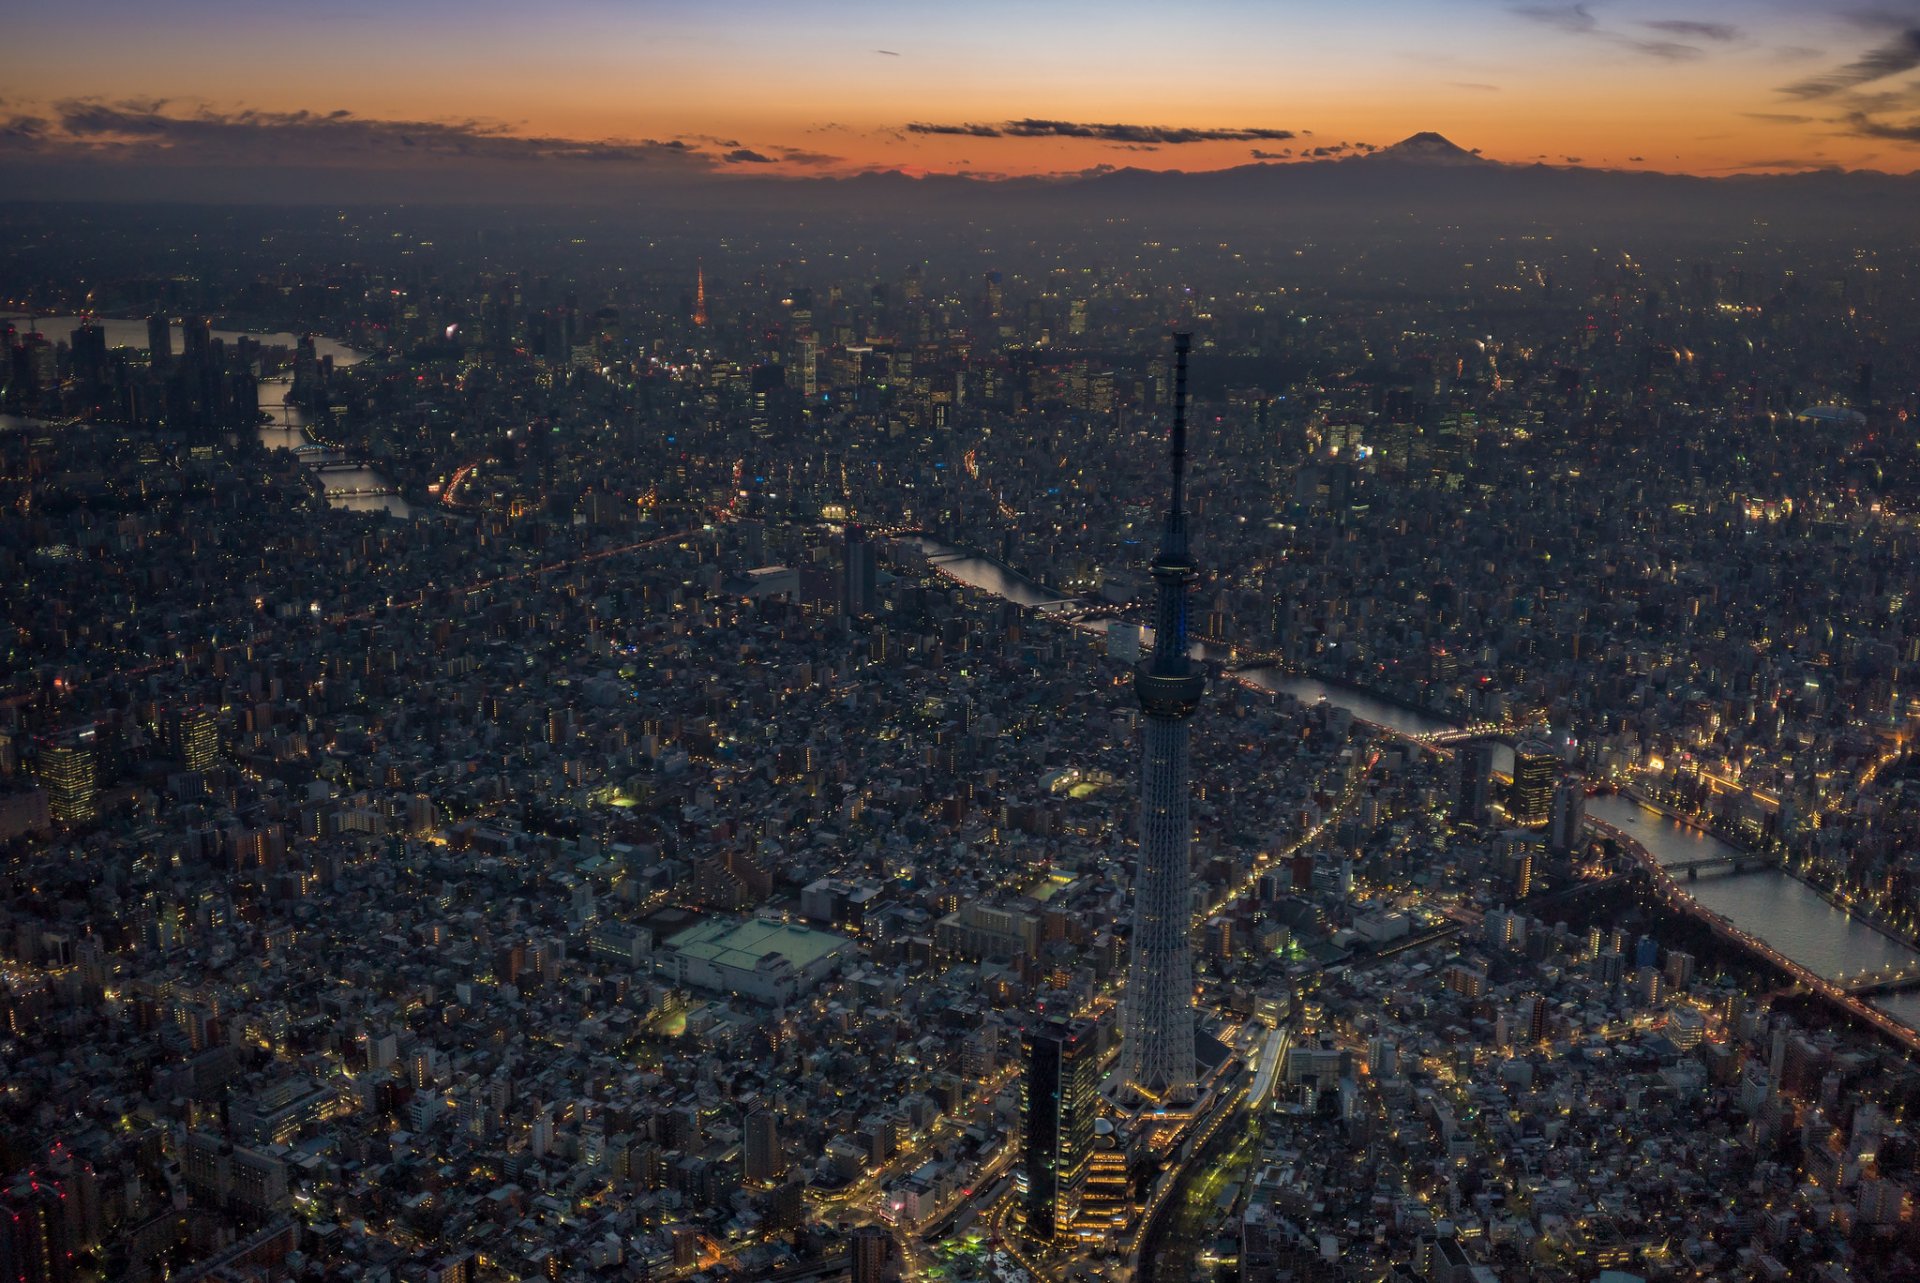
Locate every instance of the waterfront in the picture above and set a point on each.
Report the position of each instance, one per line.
(346, 487)
(1778, 908)
(285, 426)
(973, 569)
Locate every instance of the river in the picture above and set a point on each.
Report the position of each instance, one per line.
(1783, 911)
(288, 424)
(1779, 909)
(972, 568)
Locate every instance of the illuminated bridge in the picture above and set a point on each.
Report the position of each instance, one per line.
(1891, 979)
(1479, 731)
(1739, 862)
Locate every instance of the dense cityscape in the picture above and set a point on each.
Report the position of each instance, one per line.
(557, 750)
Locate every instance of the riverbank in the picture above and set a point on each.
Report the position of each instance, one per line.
(1800, 920)
(1908, 939)
(1441, 716)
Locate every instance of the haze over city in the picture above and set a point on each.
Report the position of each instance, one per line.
(959, 644)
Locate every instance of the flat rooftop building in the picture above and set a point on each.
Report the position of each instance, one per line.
(759, 959)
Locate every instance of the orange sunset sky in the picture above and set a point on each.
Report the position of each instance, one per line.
(991, 89)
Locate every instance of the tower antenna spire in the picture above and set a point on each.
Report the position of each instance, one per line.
(1174, 537)
(700, 292)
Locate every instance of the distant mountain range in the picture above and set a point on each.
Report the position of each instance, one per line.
(1425, 177)
(1422, 180)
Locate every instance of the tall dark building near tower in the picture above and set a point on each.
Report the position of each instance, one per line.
(857, 593)
(1160, 1061)
(1062, 1095)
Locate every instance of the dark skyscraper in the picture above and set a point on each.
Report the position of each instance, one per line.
(159, 341)
(196, 341)
(857, 594)
(1159, 1005)
(762, 1162)
(1061, 1097)
(1569, 815)
(1473, 782)
(870, 1254)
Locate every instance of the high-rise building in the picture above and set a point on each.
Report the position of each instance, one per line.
(159, 341)
(34, 1241)
(67, 773)
(1473, 782)
(1569, 816)
(1537, 1012)
(1535, 768)
(858, 591)
(196, 341)
(1160, 1061)
(761, 1160)
(870, 1253)
(1060, 1097)
(199, 738)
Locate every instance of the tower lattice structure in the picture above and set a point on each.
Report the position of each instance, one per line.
(1159, 1023)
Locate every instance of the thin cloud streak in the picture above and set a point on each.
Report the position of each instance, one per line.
(1578, 20)
(1149, 135)
(1896, 56)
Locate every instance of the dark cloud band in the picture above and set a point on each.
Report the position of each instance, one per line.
(1150, 135)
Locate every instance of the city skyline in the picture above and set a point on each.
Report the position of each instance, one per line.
(661, 97)
(1005, 643)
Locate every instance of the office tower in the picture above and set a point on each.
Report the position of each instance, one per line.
(66, 772)
(857, 594)
(1536, 1009)
(90, 365)
(1473, 783)
(1569, 816)
(196, 341)
(1060, 1096)
(34, 1243)
(761, 1159)
(1523, 874)
(1535, 768)
(199, 738)
(870, 1252)
(1159, 1003)
(1678, 968)
(159, 341)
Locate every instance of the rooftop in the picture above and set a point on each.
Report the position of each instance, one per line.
(743, 944)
